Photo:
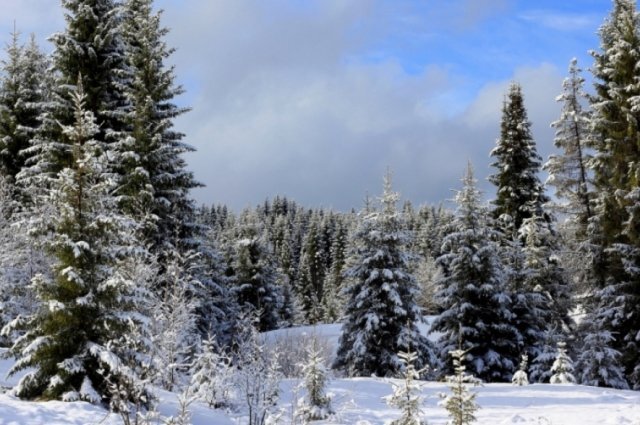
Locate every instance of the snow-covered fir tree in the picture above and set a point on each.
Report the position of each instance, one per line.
(155, 183)
(22, 96)
(544, 288)
(476, 307)
(311, 273)
(540, 369)
(71, 345)
(615, 230)
(598, 364)
(529, 306)
(20, 260)
(407, 396)
(333, 304)
(257, 377)
(254, 273)
(173, 322)
(461, 403)
(519, 191)
(568, 171)
(381, 297)
(562, 368)
(317, 403)
(520, 378)
(212, 375)
(90, 46)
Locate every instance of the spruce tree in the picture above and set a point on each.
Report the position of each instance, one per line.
(254, 274)
(562, 368)
(22, 94)
(154, 184)
(407, 395)
(73, 344)
(598, 364)
(381, 297)
(476, 307)
(571, 177)
(461, 404)
(519, 191)
(520, 378)
(568, 171)
(317, 404)
(333, 284)
(615, 228)
(311, 271)
(545, 288)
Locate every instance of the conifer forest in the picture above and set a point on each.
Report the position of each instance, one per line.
(120, 292)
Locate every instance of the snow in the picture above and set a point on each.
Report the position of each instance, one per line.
(361, 401)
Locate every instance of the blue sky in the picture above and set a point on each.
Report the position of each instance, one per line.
(314, 99)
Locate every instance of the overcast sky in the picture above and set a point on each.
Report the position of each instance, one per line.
(314, 99)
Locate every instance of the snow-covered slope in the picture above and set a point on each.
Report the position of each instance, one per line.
(360, 401)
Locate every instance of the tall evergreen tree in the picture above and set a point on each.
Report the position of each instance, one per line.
(90, 46)
(520, 193)
(22, 93)
(254, 273)
(311, 273)
(568, 171)
(476, 307)
(382, 298)
(542, 303)
(71, 344)
(334, 279)
(155, 183)
(615, 228)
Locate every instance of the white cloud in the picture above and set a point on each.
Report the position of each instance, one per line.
(281, 106)
(560, 21)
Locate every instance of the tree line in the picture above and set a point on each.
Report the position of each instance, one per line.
(112, 278)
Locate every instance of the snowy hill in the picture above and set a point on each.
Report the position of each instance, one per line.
(360, 401)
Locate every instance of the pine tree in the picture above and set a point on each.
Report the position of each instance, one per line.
(476, 308)
(212, 375)
(22, 94)
(547, 294)
(311, 271)
(317, 404)
(254, 272)
(568, 171)
(72, 346)
(615, 231)
(540, 370)
(461, 404)
(520, 378)
(382, 298)
(173, 322)
(520, 193)
(90, 46)
(407, 395)
(598, 364)
(155, 183)
(334, 280)
(562, 368)
(20, 260)
(257, 378)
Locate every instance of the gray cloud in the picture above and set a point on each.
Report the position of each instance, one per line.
(284, 104)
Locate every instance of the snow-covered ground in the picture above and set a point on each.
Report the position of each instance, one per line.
(360, 401)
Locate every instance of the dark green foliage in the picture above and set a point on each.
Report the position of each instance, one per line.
(381, 297)
(520, 193)
(475, 303)
(22, 93)
(71, 342)
(614, 232)
(154, 183)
